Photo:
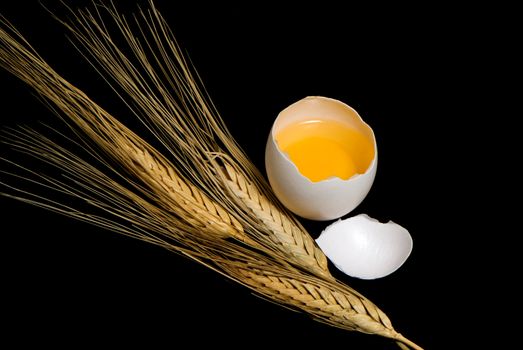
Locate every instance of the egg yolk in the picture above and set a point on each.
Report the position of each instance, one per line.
(322, 149)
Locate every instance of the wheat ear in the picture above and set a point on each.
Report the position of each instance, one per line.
(164, 179)
(328, 301)
(273, 227)
(285, 231)
(127, 148)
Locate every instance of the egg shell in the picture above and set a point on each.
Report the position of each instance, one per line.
(363, 247)
(324, 200)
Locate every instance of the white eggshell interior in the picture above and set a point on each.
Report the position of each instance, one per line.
(324, 200)
(363, 247)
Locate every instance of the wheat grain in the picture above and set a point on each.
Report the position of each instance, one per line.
(166, 182)
(327, 301)
(284, 231)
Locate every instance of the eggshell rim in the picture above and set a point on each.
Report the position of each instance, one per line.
(333, 178)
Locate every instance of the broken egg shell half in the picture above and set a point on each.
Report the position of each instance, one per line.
(327, 199)
(363, 247)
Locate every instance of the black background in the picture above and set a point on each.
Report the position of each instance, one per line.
(405, 70)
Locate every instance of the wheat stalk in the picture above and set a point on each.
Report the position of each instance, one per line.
(127, 148)
(285, 231)
(213, 206)
(275, 227)
(330, 303)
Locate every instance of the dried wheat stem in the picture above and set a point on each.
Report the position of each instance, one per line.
(131, 151)
(405, 343)
(167, 183)
(288, 236)
(329, 302)
(189, 129)
(174, 193)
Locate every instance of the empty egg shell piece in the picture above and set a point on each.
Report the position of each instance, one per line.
(363, 247)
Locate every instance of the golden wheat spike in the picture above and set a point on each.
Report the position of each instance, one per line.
(284, 231)
(202, 204)
(328, 301)
(125, 146)
(191, 127)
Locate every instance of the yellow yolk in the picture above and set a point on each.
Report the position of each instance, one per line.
(322, 149)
